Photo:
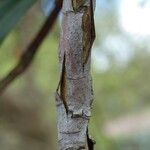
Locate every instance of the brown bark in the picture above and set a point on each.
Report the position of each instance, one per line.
(75, 96)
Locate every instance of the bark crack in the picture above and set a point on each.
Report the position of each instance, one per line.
(76, 78)
(90, 142)
(73, 132)
(63, 87)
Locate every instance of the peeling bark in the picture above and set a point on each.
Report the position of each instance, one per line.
(74, 94)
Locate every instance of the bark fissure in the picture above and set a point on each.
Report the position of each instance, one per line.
(63, 85)
(76, 94)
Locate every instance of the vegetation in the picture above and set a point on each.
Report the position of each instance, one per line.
(27, 107)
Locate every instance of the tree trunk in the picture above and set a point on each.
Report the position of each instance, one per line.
(74, 94)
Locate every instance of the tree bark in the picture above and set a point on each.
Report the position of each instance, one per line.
(74, 94)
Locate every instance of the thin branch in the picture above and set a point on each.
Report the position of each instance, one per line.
(31, 50)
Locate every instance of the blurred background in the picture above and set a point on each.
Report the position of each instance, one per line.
(121, 78)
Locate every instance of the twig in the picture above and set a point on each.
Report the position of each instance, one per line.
(31, 50)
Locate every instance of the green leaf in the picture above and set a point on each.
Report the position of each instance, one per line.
(5, 6)
(10, 13)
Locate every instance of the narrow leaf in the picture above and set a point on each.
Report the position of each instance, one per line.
(6, 6)
(9, 19)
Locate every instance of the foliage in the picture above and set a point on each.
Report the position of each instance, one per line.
(10, 13)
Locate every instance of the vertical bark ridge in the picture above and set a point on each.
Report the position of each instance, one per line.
(76, 94)
(88, 26)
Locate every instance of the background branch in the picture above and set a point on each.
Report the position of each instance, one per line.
(31, 50)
